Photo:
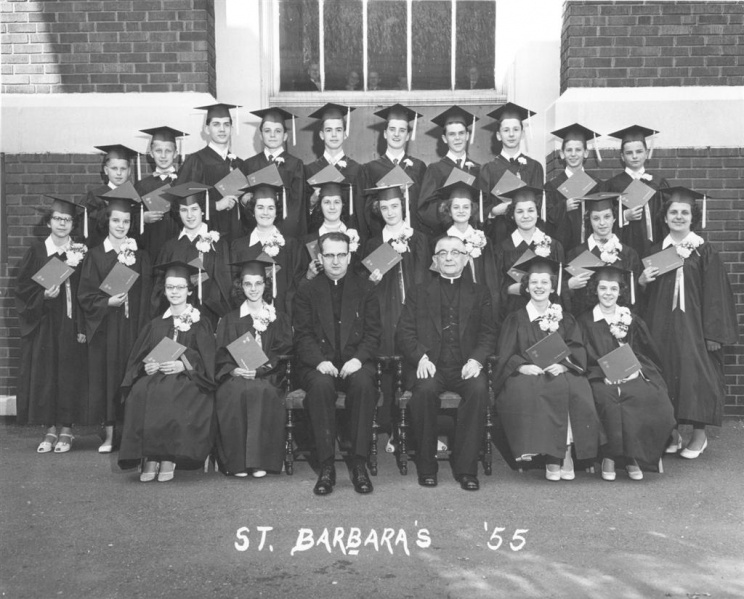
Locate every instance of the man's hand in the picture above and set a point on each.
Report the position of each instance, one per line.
(631, 214)
(712, 345)
(579, 281)
(350, 367)
(556, 369)
(172, 367)
(153, 216)
(500, 209)
(226, 203)
(117, 300)
(375, 276)
(243, 373)
(471, 369)
(426, 368)
(327, 367)
(151, 368)
(530, 370)
(572, 204)
(648, 275)
(52, 292)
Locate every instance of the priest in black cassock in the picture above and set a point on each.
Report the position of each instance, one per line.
(445, 333)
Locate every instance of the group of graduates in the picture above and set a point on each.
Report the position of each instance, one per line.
(487, 260)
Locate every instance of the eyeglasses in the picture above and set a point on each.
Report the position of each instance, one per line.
(176, 287)
(334, 257)
(453, 253)
(62, 220)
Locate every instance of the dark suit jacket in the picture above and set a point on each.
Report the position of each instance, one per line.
(420, 325)
(314, 334)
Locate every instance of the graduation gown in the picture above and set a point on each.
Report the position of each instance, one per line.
(577, 300)
(376, 170)
(109, 331)
(169, 416)
(157, 233)
(289, 269)
(565, 226)
(429, 199)
(250, 413)
(291, 169)
(634, 233)
(95, 207)
(693, 375)
(412, 270)
(207, 166)
(490, 174)
(52, 379)
(637, 415)
(534, 410)
(506, 255)
(215, 290)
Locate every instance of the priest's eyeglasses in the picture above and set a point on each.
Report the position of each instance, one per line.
(334, 257)
(453, 253)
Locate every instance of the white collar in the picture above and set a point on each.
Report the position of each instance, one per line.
(592, 243)
(455, 232)
(635, 174)
(244, 309)
(570, 173)
(517, 238)
(108, 246)
(274, 153)
(333, 160)
(450, 279)
(111, 185)
(387, 234)
(599, 315)
(455, 159)
(397, 155)
(513, 157)
(532, 312)
(323, 230)
(167, 313)
(255, 238)
(220, 151)
(202, 230)
(668, 240)
(52, 249)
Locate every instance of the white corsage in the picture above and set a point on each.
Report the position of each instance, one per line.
(551, 319)
(273, 244)
(610, 251)
(646, 177)
(522, 160)
(475, 241)
(400, 243)
(75, 254)
(542, 243)
(206, 241)
(262, 320)
(407, 162)
(279, 159)
(469, 164)
(690, 244)
(183, 321)
(621, 323)
(353, 239)
(341, 163)
(127, 252)
(231, 156)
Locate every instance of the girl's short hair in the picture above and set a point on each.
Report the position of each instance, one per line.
(697, 214)
(524, 282)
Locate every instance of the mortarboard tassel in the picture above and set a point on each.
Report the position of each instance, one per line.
(139, 167)
(583, 223)
(237, 120)
(415, 121)
(620, 212)
(705, 210)
(294, 131)
(480, 206)
(408, 208)
(651, 146)
(351, 200)
(632, 288)
(348, 120)
(543, 209)
(180, 150)
(596, 149)
(142, 218)
(273, 280)
(529, 116)
(85, 222)
(472, 131)
(200, 284)
(207, 202)
(284, 202)
(560, 279)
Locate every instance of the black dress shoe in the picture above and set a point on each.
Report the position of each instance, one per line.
(428, 480)
(468, 482)
(360, 480)
(326, 480)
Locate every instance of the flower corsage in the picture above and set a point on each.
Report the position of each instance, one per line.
(407, 162)
(75, 254)
(551, 319)
(621, 323)
(400, 243)
(469, 164)
(646, 176)
(542, 243)
(273, 244)
(262, 320)
(475, 242)
(341, 163)
(522, 160)
(279, 159)
(183, 321)
(610, 251)
(690, 244)
(353, 239)
(206, 241)
(127, 252)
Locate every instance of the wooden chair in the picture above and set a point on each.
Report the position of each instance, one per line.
(450, 400)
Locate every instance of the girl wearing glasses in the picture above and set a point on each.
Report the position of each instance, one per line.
(168, 405)
(112, 322)
(52, 384)
(249, 401)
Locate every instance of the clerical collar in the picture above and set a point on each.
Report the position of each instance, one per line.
(333, 159)
(393, 156)
(275, 153)
(456, 159)
(335, 282)
(635, 174)
(450, 279)
(222, 152)
(201, 230)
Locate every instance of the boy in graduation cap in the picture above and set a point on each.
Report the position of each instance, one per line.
(52, 381)
(334, 129)
(210, 165)
(117, 168)
(639, 227)
(455, 123)
(197, 244)
(400, 127)
(159, 226)
(273, 133)
(564, 214)
(510, 130)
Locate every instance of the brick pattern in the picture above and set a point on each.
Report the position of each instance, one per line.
(718, 172)
(652, 44)
(107, 46)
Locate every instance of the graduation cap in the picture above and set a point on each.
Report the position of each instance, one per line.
(266, 183)
(394, 185)
(457, 114)
(255, 261)
(528, 194)
(189, 193)
(277, 115)
(124, 198)
(688, 196)
(463, 189)
(577, 132)
(220, 110)
(177, 268)
(636, 133)
(400, 113)
(121, 152)
(510, 110)
(69, 208)
(542, 264)
(617, 274)
(333, 111)
(329, 181)
(596, 202)
(165, 133)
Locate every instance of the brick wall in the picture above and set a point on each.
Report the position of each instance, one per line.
(639, 44)
(718, 172)
(107, 46)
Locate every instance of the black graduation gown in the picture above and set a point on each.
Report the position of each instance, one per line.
(693, 375)
(207, 166)
(95, 207)
(577, 300)
(157, 233)
(428, 202)
(565, 226)
(376, 170)
(215, 290)
(52, 380)
(637, 415)
(506, 256)
(534, 410)
(634, 233)
(250, 413)
(109, 332)
(291, 169)
(490, 174)
(169, 416)
(289, 269)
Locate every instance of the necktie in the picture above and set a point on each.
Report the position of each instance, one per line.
(271, 158)
(460, 162)
(395, 161)
(513, 160)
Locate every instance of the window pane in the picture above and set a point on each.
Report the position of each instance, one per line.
(298, 45)
(476, 28)
(343, 44)
(387, 44)
(431, 50)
